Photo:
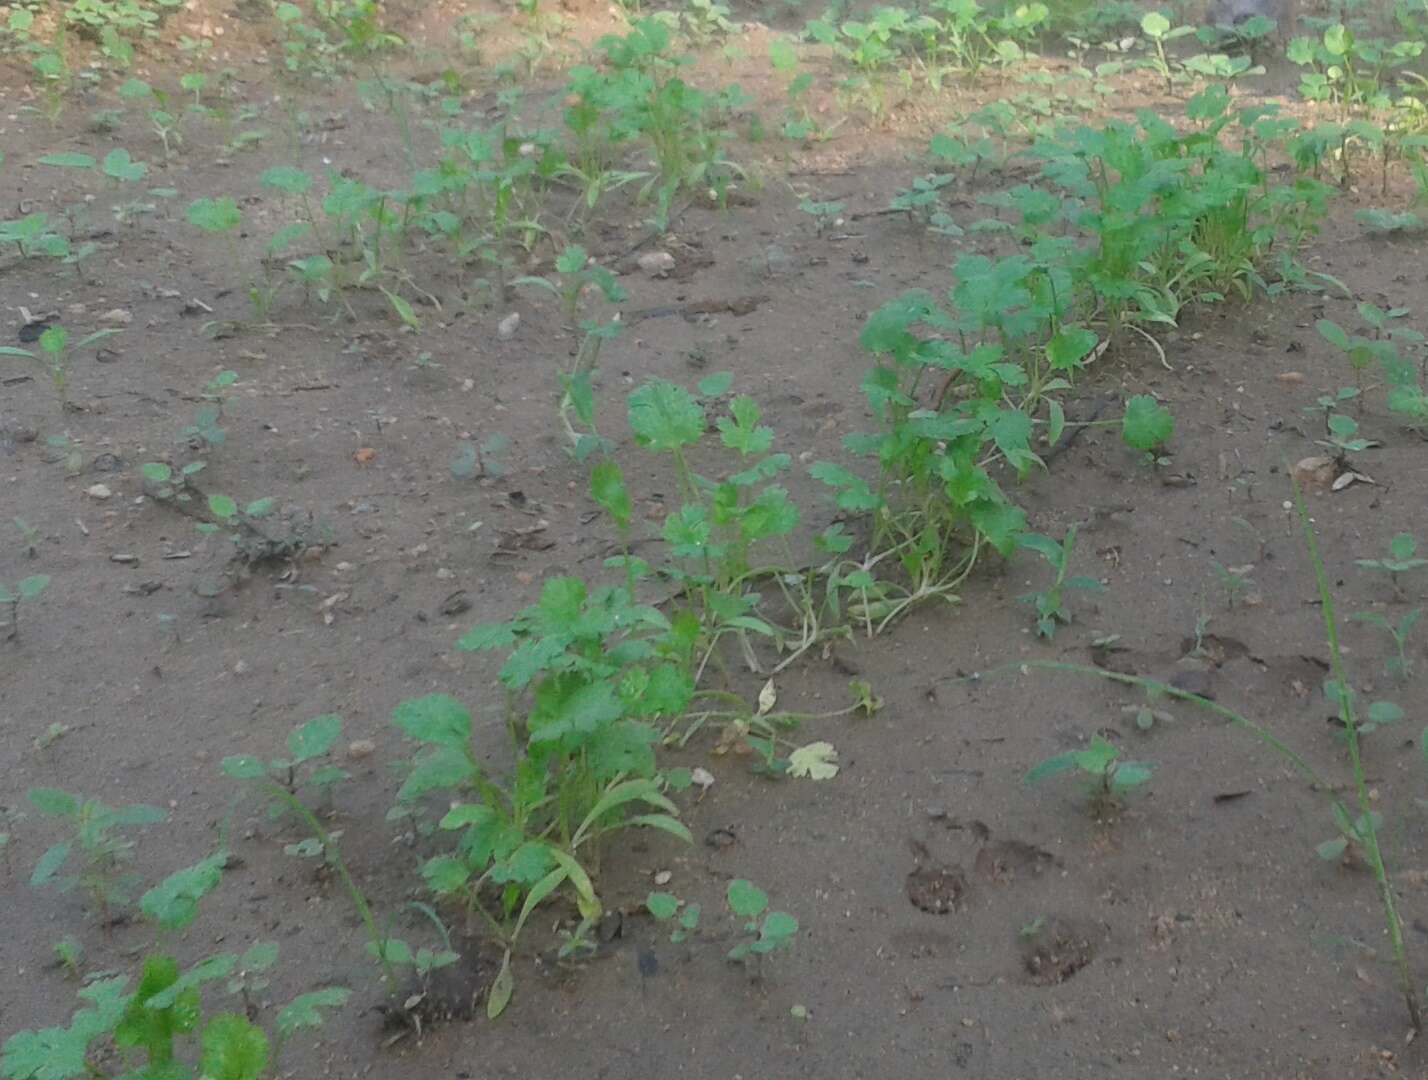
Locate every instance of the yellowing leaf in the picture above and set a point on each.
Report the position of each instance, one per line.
(768, 697)
(817, 761)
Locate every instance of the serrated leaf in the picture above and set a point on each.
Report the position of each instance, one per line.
(214, 215)
(438, 719)
(1147, 424)
(173, 902)
(233, 1049)
(305, 1010)
(665, 417)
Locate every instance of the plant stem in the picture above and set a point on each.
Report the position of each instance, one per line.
(1368, 832)
(331, 852)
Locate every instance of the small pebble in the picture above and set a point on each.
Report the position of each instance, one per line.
(358, 749)
(507, 327)
(99, 491)
(656, 263)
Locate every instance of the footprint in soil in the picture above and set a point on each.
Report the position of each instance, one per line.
(1056, 952)
(1004, 861)
(932, 886)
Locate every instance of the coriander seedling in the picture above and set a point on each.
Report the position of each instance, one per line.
(1235, 580)
(29, 537)
(1110, 777)
(774, 930)
(1147, 427)
(56, 354)
(1402, 559)
(1050, 603)
(24, 590)
(1399, 667)
(97, 847)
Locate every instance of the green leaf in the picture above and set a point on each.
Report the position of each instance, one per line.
(745, 899)
(233, 1049)
(1403, 547)
(1330, 850)
(1384, 712)
(48, 1054)
(665, 417)
(68, 160)
(716, 384)
(1155, 25)
(314, 738)
(260, 508)
(1070, 346)
(304, 1011)
(438, 719)
(54, 802)
(118, 165)
(156, 472)
(607, 488)
(173, 903)
(572, 260)
(259, 956)
(1333, 334)
(222, 507)
(214, 215)
(1147, 424)
(244, 767)
(49, 864)
(499, 996)
(287, 179)
(1051, 766)
(662, 905)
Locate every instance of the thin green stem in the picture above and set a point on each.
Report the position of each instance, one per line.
(1367, 831)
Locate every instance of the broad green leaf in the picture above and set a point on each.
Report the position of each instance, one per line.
(715, 385)
(1384, 712)
(1333, 334)
(1154, 24)
(305, 1010)
(745, 899)
(54, 802)
(314, 738)
(223, 507)
(32, 586)
(244, 767)
(1051, 766)
(156, 472)
(662, 905)
(118, 165)
(286, 178)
